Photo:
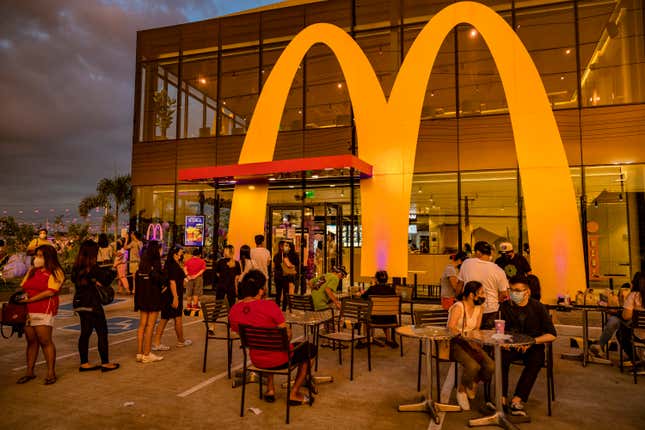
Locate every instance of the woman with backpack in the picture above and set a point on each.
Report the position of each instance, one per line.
(87, 276)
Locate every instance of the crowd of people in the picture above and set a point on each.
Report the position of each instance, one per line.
(475, 290)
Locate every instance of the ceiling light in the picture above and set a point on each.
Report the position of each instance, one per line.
(251, 187)
(567, 51)
(340, 85)
(314, 176)
(202, 81)
(271, 178)
(473, 33)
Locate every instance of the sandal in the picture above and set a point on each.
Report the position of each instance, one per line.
(269, 398)
(25, 379)
(111, 368)
(306, 399)
(50, 381)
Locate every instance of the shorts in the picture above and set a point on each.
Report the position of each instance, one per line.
(134, 266)
(447, 302)
(167, 311)
(194, 287)
(300, 355)
(36, 319)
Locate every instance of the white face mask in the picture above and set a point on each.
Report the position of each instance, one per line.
(39, 262)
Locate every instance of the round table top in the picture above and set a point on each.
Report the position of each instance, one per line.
(308, 318)
(489, 337)
(426, 332)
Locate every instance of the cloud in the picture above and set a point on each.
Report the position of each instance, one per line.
(67, 80)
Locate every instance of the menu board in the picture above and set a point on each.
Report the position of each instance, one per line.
(194, 235)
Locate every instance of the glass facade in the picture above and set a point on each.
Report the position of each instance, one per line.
(197, 85)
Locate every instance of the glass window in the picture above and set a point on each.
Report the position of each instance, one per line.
(195, 200)
(158, 43)
(199, 94)
(327, 97)
(292, 115)
(377, 13)
(612, 53)
(382, 48)
(486, 143)
(489, 207)
(437, 146)
(240, 74)
(240, 31)
(337, 12)
(282, 25)
(153, 212)
(158, 115)
(422, 10)
(554, 56)
(199, 37)
(440, 98)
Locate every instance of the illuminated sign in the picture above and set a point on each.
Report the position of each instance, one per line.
(194, 235)
(387, 133)
(154, 232)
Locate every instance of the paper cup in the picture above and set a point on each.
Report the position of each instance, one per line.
(499, 326)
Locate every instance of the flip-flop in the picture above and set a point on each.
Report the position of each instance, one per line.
(50, 381)
(88, 369)
(269, 398)
(306, 399)
(109, 369)
(26, 378)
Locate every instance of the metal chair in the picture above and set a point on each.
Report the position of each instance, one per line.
(405, 292)
(638, 323)
(354, 312)
(300, 303)
(382, 306)
(216, 313)
(438, 317)
(269, 339)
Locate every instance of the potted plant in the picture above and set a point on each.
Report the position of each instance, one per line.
(164, 111)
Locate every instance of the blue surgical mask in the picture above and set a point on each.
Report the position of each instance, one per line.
(518, 296)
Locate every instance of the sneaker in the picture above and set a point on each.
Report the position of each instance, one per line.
(139, 358)
(151, 358)
(186, 342)
(596, 350)
(517, 409)
(462, 400)
(160, 347)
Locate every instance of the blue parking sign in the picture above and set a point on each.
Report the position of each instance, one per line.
(116, 325)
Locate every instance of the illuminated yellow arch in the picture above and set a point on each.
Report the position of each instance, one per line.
(387, 134)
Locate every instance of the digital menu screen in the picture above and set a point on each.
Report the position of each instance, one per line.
(194, 235)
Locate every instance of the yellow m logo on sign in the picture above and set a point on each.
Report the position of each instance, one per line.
(387, 132)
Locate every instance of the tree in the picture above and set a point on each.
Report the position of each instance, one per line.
(112, 194)
(17, 235)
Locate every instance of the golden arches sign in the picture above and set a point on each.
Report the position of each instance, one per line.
(387, 133)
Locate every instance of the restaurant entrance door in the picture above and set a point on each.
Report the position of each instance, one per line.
(314, 230)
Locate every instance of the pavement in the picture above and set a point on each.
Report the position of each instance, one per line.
(175, 393)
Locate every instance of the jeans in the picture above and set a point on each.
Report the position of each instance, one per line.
(610, 328)
(91, 321)
(533, 360)
(282, 292)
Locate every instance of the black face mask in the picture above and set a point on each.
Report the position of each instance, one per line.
(458, 266)
(479, 301)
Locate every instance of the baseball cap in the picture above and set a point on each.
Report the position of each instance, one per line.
(505, 247)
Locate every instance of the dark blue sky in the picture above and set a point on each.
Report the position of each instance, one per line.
(66, 80)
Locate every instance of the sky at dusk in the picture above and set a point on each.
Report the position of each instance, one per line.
(67, 83)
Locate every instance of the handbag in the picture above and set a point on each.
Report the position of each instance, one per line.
(105, 293)
(14, 315)
(288, 271)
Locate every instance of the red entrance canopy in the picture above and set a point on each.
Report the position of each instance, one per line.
(268, 168)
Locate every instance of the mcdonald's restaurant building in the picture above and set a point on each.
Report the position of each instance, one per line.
(197, 86)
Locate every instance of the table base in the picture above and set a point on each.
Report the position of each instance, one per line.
(430, 406)
(497, 419)
(577, 356)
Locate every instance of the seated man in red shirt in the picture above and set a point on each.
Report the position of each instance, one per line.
(254, 311)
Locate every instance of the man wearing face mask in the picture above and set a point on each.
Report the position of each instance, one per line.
(493, 279)
(39, 241)
(527, 316)
(511, 263)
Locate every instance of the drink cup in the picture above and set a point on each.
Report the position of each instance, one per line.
(499, 326)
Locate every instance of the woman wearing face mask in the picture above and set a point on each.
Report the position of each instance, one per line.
(465, 315)
(39, 241)
(147, 300)
(281, 281)
(290, 263)
(42, 286)
(228, 274)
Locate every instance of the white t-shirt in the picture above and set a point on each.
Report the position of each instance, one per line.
(446, 286)
(490, 275)
(633, 301)
(261, 256)
(471, 320)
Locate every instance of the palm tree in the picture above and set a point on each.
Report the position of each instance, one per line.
(111, 193)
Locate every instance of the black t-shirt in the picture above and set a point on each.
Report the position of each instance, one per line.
(225, 274)
(85, 294)
(518, 265)
(176, 273)
(379, 290)
(532, 319)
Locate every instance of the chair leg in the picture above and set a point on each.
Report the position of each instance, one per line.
(260, 384)
(419, 367)
(229, 357)
(316, 330)
(634, 363)
(289, 390)
(437, 372)
(351, 365)
(369, 353)
(243, 387)
(401, 344)
(205, 353)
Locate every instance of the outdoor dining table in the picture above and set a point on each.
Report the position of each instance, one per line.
(311, 321)
(489, 337)
(430, 335)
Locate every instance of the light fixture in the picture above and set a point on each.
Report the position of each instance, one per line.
(202, 81)
(567, 51)
(473, 33)
(342, 193)
(340, 85)
(420, 190)
(562, 78)
(595, 203)
(314, 176)
(251, 187)
(620, 197)
(271, 178)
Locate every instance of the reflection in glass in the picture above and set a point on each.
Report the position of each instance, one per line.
(159, 100)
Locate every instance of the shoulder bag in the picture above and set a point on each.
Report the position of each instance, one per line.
(14, 315)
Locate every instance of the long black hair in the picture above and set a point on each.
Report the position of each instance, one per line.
(245, 255)
(150, 259)
(471, 287)
(86, 258)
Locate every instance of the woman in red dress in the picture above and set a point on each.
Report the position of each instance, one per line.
(42, 285)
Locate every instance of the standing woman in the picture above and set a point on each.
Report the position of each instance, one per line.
(281, 281)
(228, 274)
(86, 274)
(106, 253)
(246, 262)
(120, 262)
(290, 267)
(134, 249)
(147, 300)
(42, 286)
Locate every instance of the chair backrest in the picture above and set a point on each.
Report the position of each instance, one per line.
(215, 310)
(404, 291)
(264, 338)
(301, 303)
(384, 305)
(437, 317)
(353, 309)
(638, 320)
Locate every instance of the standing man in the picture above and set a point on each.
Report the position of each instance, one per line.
(261, 258)
(39, 241)
(491, 276)
(195, 268)
(450, 285)
(511, 263)
(527, 316)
